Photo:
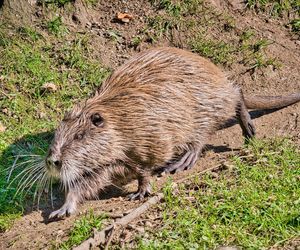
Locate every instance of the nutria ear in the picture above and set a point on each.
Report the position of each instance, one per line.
(97, 120)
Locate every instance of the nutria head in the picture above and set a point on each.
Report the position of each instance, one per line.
(83, 145)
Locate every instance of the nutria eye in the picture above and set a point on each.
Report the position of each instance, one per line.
(78, 136)
(97, 120)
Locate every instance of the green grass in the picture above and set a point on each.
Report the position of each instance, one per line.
(56, 27)
(274, 7)
(278, 8)
(199, 20)
(295, 25)
(82, 230)
(177, 8)
(253, 205)
(219, 51)
(59, 3)
(29, 60)
(249, 50)
(62, 3)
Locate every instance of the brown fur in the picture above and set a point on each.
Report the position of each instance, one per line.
(161, 105)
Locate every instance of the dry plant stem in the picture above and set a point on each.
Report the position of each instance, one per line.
(100, 237)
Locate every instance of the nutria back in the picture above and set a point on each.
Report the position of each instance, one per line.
(162, 101)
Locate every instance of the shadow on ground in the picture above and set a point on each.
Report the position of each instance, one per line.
(21, 151)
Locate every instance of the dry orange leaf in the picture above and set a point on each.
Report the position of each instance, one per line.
(124, 17)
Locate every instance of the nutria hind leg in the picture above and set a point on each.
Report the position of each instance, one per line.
(187, 161)
(144, 188)
(245, 121)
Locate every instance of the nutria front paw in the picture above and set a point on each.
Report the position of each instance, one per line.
(141, 194)
(65, 211)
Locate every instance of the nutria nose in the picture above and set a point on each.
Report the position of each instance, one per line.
(53, 160)
(57, 163)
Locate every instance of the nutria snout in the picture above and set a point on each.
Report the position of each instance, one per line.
(156, 111)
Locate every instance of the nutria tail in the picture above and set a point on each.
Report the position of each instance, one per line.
(271, 102)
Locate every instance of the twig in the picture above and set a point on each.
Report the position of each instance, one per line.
(5, 94)
(110, 237)
(100, 237)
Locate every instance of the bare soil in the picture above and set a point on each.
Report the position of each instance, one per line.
(33, 231)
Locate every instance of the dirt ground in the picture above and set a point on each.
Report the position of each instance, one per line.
(33, 231)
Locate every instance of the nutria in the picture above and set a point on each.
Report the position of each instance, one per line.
(155, 111)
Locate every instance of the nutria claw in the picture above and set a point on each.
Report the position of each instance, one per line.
(141, 194)
(67, 209)
(60, 213)
(187, 161)
(64, 211)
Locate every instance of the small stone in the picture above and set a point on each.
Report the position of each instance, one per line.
(140, 230)
(130, 226)
(32, 2)
(60, 232)
(228, 248)
(5, 111)
(237, 4)
(214, 175)
(125, 20)
(51, 87)
(148, 224)
(42, 115)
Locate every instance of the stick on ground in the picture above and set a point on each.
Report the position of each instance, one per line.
(101, 236)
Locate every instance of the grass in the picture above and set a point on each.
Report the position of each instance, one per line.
(295, 25)
(274, 7)
(249, 50)
(253, 205)
(29, 60)
(219, 51)
(59, 3)
(200, 18)
(56, 27)
(278, 8)
(82, 230)
(177, 8)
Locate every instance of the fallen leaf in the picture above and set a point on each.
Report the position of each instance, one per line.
(50, 87)
(2, 128)
(124, 17)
